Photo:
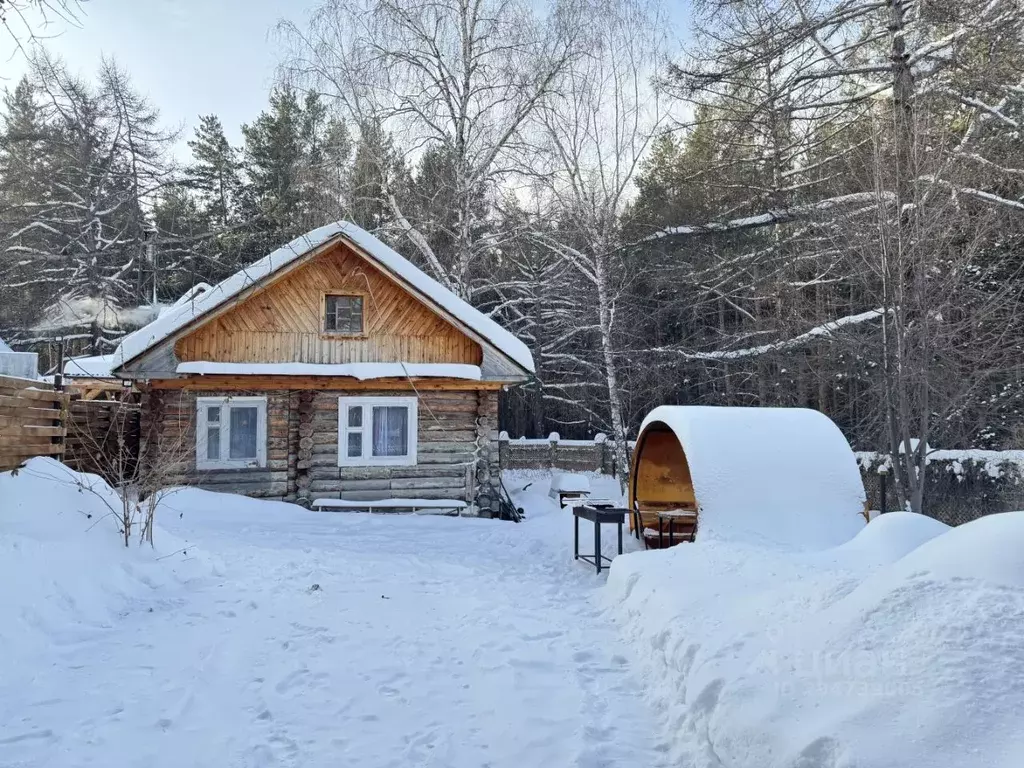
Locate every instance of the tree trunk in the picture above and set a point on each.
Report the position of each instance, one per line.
(611, 372)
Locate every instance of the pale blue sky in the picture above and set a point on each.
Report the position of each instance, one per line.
(191, 57)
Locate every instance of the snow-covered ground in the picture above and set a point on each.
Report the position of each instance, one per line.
(259, 634)
(903, 646)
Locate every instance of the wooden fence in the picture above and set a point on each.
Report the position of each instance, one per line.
(32, 417)
(103, 438)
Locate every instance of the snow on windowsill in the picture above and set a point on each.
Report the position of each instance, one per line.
(361, 371)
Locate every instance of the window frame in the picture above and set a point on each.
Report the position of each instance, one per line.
(225, 404)
(367, 403)
(341, 293)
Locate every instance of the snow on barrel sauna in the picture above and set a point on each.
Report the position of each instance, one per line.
(782, 476)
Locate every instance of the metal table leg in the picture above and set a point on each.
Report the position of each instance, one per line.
(575, 537)
(661, 534)
(671, 531)
(620, 538)
(597, 545)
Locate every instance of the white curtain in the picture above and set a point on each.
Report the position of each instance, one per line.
(390, 430)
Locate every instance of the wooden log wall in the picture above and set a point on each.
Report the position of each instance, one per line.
(32, 418)
(446, 453)
(457, 456)
(103, 438)
(169, 428)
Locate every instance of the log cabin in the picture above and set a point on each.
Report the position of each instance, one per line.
(333, 373)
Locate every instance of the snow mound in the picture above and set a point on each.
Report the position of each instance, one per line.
(889, 537)
(762, 657)
(990, 548)
(60, 546)
(780, 475)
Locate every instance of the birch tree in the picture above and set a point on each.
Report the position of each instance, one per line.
(456, 77)
(594, 133)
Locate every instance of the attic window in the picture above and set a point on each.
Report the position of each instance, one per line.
(343, 314)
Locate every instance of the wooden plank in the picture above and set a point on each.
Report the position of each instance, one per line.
(407, 483)
(18, 382)
(18, 431)
(28, 451)
(25, 409)
(34, 398)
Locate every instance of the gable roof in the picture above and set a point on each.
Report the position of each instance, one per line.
(183, 313)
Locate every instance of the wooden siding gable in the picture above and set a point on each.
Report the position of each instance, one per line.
(283, 321)
(280, 320)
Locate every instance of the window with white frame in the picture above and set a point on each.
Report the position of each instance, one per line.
(231, 432)
(376, 431)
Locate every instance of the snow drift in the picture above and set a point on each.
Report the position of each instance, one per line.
(64, 567)
(901, 647)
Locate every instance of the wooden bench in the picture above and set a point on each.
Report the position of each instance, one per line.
(653, 520)
(390, 505)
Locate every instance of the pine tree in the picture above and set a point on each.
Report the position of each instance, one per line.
(377, 172)
(25, 166)
(323, 174)
(214, 174)
(273, 156)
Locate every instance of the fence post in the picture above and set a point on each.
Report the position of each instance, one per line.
(883, 474)
(63, 404)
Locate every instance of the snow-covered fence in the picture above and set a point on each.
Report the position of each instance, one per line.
(552, 452)
(961, 485)
(32, 421)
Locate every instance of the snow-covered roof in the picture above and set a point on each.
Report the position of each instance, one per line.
(777, 475)
(24, 365)
(361, 371)
(95, 367)
(182, 314)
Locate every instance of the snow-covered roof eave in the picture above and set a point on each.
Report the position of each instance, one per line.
(94, 367)
(139, 342)
(360, 371)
